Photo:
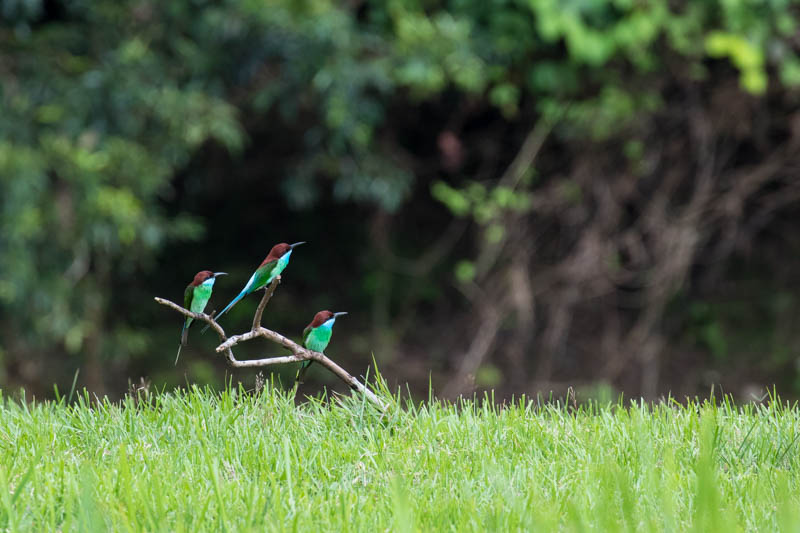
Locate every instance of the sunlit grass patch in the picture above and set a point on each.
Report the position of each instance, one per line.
(236, 461)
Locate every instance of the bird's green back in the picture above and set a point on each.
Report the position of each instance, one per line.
(264, 275)
(268, 272)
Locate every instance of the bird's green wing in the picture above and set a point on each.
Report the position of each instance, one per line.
(187, 300)
(187, 296)
(263, 275)
(301, 372)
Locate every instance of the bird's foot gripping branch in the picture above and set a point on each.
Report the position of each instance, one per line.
(299, 353)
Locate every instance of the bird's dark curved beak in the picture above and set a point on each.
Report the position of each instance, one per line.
(340, 313)
(220, 274)
(296, 244)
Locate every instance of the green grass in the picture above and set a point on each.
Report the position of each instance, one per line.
(233, 461)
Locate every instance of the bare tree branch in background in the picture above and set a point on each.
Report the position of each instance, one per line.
(489, 304)
(582, 284)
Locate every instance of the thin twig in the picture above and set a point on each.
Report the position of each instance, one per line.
(299, 353)
(260, 332)
(197, 316)
(264, 301)
(269, 361)
(527, 153)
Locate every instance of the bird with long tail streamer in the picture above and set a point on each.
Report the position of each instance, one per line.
(270, 268)
(195, 298)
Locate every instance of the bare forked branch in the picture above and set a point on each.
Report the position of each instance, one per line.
(299, 353)
(197, 316)
(268, 292)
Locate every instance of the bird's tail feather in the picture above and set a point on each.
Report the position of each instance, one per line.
(302, 372)
(233, 302)
(184, 338)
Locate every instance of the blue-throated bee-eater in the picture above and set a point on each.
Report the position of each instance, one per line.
(270, 268)
(195, 298)
(316, 337)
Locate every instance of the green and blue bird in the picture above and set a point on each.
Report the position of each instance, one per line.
(316, 337)
(270, 268)
(195, 298)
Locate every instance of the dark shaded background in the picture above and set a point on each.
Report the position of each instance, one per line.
(523, 196)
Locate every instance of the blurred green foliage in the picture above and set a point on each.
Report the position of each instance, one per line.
(101, 106)
(103, 102)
